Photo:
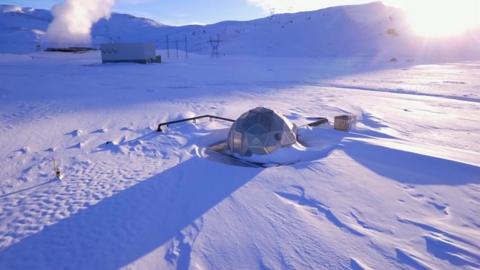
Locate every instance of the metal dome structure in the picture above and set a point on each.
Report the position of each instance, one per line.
(260, 131)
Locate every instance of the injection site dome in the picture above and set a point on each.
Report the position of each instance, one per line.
(260, 131)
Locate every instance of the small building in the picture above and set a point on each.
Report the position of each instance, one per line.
(143, 53)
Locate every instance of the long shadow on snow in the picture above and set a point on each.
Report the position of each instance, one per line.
(258, 75)
(411, 168)
(131, 224)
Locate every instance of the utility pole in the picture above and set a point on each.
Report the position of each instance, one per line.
(168, 48)
(272, 13)
(186, 47)
(108, 35)
(176, 45)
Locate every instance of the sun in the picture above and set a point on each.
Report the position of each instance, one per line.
(440, 18)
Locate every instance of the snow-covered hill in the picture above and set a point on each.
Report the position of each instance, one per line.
(361, 30)
(21, 28)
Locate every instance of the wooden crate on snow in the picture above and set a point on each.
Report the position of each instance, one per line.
(344, 122)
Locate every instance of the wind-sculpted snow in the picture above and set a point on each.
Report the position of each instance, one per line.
(400, 191)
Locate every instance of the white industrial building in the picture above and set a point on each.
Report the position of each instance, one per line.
(129, 52)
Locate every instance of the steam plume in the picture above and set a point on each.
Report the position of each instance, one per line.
(73, 20)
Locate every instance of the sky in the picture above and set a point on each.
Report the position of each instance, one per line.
(179, 12)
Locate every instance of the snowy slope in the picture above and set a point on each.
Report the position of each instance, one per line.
(362, 30)
(21, 28)
(401, 191)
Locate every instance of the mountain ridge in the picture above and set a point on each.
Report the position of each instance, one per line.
(372, 29)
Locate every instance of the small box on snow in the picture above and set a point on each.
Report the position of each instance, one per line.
(344, 122)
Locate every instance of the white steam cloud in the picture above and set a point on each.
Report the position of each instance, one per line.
(73, 20)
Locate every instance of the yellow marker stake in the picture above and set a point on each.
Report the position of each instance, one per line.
(56, 169)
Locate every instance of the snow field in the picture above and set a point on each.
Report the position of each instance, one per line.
(401, 191)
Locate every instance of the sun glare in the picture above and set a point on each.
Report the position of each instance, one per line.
(440, 18)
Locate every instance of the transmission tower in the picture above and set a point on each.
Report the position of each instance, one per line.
(215, 43)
